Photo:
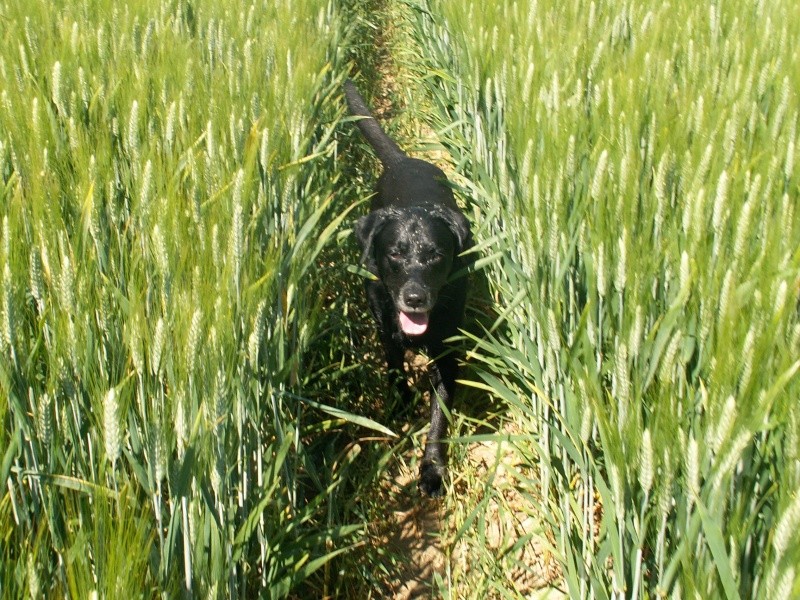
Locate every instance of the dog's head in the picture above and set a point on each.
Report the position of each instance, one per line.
(414, 251)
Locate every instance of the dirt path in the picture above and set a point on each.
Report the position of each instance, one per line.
(410, 533)
(412, 536)
(420, 538)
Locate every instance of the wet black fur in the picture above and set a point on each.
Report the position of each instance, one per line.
(412, 240)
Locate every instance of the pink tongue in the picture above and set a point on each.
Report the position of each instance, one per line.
(413, 323)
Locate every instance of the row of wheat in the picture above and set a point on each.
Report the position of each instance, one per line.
(632, 171)
(165, 193)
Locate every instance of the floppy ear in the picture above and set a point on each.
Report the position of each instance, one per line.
(459, 226)
(366, 228)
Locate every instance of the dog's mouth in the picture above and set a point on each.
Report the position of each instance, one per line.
(413, 323)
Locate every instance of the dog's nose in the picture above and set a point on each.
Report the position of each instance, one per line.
(415, 298)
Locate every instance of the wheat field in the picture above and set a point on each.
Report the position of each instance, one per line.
(633, 169)
(191, 392)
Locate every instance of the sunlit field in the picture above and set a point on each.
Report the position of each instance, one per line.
(192, 399)
(632, 171)
(162, 204)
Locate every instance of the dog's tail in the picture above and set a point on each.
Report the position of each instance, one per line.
(385, 147)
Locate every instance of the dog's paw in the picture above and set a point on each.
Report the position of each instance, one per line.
(431, 479)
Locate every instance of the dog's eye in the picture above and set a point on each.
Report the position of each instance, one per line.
(435, 257)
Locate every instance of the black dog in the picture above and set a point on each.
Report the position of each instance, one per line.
(413, 240)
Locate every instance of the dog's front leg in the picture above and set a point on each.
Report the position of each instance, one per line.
(383, 310)
(395, 355)
(443, 374)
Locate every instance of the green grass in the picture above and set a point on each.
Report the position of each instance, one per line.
(631, 170)
(166, 196)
